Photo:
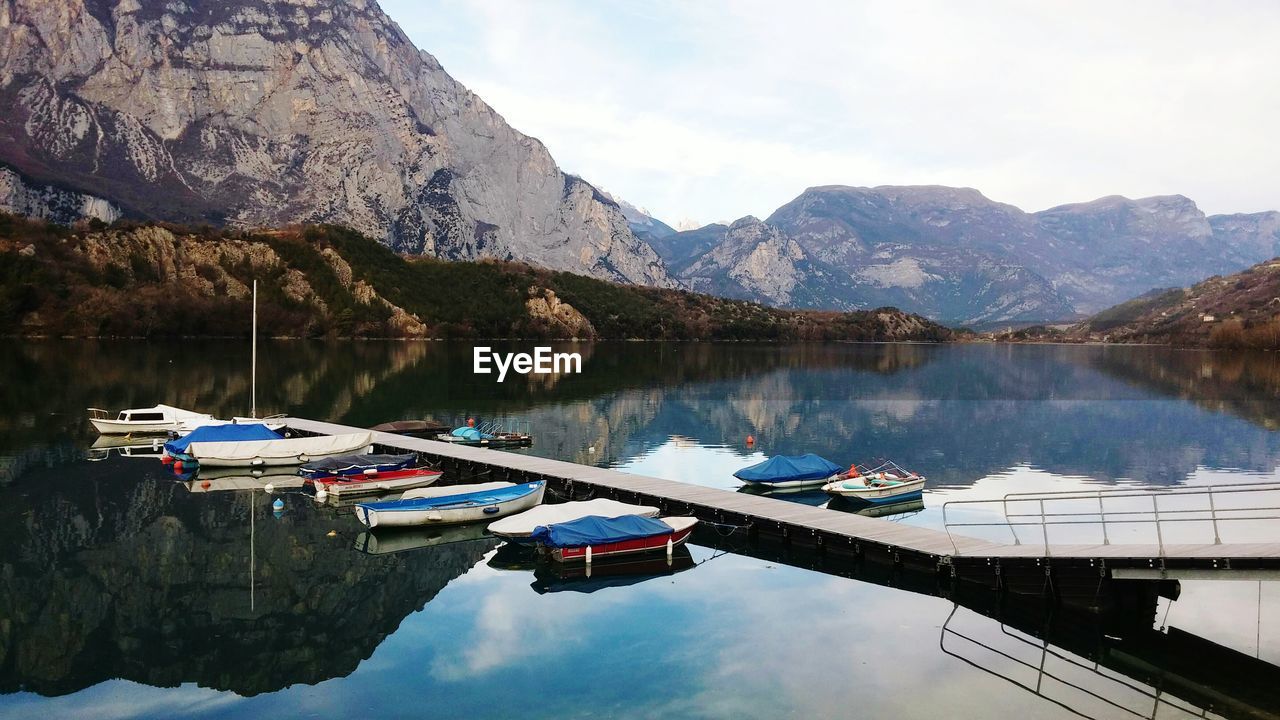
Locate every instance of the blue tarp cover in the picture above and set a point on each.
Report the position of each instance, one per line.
(470, 433)
(222, 433)
(596, 530)
(356, 464)
(789, 467)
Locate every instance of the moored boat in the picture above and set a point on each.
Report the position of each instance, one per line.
(887, 483)
(593, 537)
(157, 419)
(474, 437)
(519, 528)
(289, 451)
(180, 448)
(356, 465)
(452, 504)
(789, 471)
(374, 482)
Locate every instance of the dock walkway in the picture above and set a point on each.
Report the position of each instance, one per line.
(823, 528)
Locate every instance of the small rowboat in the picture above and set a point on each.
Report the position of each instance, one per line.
(784, 471)
(356, 465)
(596, 537)
(887, 483)
(453, 504)
(518, 528)
(374, 483)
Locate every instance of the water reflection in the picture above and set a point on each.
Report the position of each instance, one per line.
(126, 593)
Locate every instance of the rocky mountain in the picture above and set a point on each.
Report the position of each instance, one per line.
(271, 112)
(1112, 249)
(750, 259)
(956, 256)
(1239, 310)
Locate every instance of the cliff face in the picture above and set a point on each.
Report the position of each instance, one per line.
(269, 112)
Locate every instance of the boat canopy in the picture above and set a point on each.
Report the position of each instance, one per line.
(782, 468)
(222, 433)
(343, 463)
(596, 530)
(470, 433)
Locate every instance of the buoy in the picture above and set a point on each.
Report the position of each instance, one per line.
(269, 488)
(751, 439)
(278, 505)
(177, 466)
(471, 422)
(321, 494)
(205, 484)
(591, 449)
(166, 459)
(332, 533)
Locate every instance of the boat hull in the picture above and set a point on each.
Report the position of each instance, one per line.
(469, 511)
(902, 492)
(375, 484)
(655, 543)
(787, 484)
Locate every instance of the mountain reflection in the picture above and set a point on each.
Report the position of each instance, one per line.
(120, 572)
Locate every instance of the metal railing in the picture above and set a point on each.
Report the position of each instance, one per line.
(1212, 513)
(1067, 660)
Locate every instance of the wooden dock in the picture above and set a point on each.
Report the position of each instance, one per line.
(822, 529)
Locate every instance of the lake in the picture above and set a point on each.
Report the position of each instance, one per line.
(126, 593)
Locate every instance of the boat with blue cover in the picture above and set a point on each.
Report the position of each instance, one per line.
(346, 465)
(179, 448)
(790, 471)
(594, 536)
(475, 437)
(452, 504)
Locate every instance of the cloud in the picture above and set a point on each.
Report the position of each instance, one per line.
(720, 109)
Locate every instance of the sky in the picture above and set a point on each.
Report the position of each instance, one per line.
(709, 110)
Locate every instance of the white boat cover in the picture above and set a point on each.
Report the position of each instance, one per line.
(300, 449)
(447, 490)
(522, 525)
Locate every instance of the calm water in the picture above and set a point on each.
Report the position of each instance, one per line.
(124, 593)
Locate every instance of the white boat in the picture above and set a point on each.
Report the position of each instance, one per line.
(275, 422)
(887, 483)
(452, 504)
(288, 451)
(158, 419)
(518, 528)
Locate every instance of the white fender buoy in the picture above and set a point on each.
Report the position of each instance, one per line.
(269, 488)
(278, 505)
(321, 494)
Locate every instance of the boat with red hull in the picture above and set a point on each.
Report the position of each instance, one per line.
(374, 483)
(596, 537)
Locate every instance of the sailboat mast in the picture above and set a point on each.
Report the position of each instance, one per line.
(253, 382)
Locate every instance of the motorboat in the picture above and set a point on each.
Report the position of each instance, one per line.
(789, 471)
(518, 528)
(886, 483)
(474, 437)
(593, 537)
(344, 465)
(180, 448)
(287, 451)
(452, 504)
(374, 482)
(155, 419)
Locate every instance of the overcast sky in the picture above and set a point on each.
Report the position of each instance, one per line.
(715, 109)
